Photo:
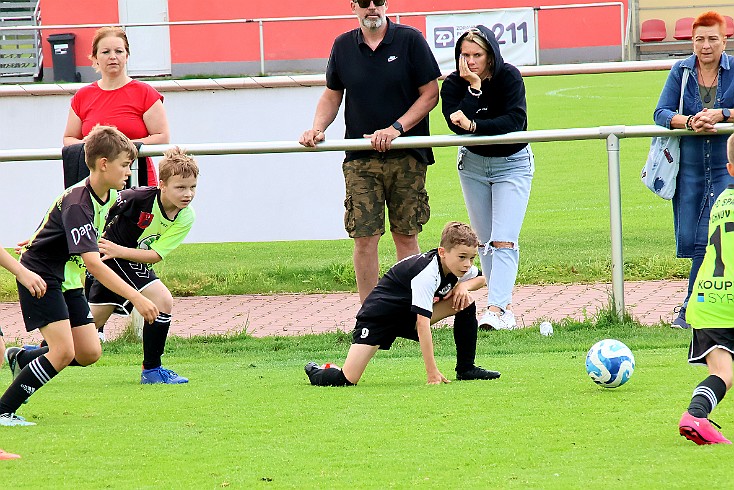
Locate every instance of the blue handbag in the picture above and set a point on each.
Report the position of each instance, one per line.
(663, 160)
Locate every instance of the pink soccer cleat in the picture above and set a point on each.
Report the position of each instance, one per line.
(700, 431)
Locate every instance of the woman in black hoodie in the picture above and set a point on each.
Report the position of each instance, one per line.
(486, 96)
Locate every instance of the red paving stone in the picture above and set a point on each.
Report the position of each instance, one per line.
(297, 314)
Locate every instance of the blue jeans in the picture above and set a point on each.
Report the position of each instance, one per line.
(496, 192)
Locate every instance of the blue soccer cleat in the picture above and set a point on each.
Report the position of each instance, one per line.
(161, 375)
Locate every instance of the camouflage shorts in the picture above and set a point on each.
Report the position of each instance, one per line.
(371, 183)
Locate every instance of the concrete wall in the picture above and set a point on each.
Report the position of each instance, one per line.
(240, 197)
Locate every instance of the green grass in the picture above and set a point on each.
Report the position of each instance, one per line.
(249, 418)
(565, 237)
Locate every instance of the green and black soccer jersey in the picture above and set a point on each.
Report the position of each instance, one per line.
(712, 302)
(69, 228)
(137, 220)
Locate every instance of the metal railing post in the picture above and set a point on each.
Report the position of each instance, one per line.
(615, 220)
(262, 48)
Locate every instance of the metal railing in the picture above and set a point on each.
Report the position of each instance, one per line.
(397, 16)
(611, 134)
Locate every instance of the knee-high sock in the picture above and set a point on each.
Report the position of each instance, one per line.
(154, 340)
(31, 378)
(465, 337)
(26, 356)
(706, 396)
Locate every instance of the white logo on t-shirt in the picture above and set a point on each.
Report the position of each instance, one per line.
(391, 58)
(84, 230)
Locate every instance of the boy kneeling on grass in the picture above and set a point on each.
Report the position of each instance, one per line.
(68, 230)
(143, 227)
(711, 314)
(415, 293)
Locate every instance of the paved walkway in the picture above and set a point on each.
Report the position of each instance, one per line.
(298, 314)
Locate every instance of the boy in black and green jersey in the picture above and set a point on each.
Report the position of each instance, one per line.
(62, 315)
(143, 227)
(711, 314)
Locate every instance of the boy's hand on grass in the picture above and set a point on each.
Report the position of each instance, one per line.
(146, 308)
(437, 378)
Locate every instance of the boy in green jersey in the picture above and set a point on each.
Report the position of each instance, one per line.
(711, 314)
(143, 227)
(61, 314)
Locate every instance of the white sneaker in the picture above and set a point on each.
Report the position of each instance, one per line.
(491, 321)
(101, 336)
(508, 318)
(10, 419)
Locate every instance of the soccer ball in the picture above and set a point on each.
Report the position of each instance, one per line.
(610, 363)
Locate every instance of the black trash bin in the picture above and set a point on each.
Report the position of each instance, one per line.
(63, 56)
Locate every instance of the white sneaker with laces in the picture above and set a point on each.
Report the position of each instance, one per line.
(508, 318)
(491, 321)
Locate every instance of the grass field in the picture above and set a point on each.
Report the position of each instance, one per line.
(565, 237)
(249, 418)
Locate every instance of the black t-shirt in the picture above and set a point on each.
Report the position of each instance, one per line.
(381, 85)
(410, 286)
(68, 229)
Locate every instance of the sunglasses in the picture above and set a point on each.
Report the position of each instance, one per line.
(365, 4)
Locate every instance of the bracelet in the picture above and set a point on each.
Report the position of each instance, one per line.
(472, 126)
(689, 126)
(475, 92)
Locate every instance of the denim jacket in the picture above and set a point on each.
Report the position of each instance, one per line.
(702, 175)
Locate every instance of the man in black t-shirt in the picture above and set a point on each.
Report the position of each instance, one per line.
(415, 293)
(387, 74)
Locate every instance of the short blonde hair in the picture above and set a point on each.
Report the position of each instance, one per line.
(177, 162)
(106, 142)
(456, 233)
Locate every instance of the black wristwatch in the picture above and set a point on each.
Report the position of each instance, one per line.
(726, 113)
(399, 127)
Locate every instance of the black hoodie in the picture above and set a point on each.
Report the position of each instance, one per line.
(500, 109)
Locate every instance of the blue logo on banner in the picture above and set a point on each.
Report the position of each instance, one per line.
(443, 37)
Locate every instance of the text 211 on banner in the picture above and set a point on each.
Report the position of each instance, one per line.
(513, 28)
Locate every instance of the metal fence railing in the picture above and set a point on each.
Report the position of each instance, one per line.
(611, 134)
(261, 22)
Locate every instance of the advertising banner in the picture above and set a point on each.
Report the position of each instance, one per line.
(513, 28)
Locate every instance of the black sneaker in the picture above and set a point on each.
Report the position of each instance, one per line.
(477, 372)
(11, 355)
(311, 369)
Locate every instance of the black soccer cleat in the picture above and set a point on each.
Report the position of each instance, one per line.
(311, 369)
(477, 372)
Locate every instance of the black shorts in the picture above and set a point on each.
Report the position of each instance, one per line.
(707, 339)
(54, 306)
(137, 275)
(383, 331)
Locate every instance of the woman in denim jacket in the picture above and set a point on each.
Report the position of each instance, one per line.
(486, 96)
(708, 98)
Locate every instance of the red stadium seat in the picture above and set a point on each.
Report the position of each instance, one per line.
(729, 26)
(683, 29)
(653, 30)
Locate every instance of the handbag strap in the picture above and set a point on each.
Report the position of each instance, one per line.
(683, 83)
